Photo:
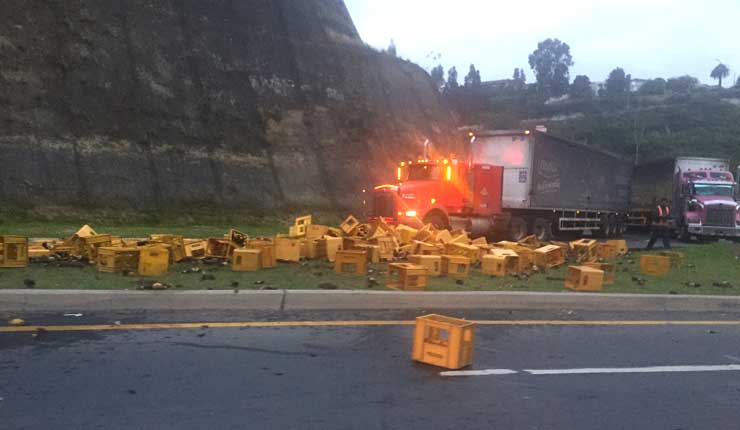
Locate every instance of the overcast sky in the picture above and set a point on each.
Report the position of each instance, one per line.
(648, 38)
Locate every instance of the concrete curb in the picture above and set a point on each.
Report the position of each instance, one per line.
(292, 300)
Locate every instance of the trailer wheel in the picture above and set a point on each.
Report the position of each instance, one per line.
(438, 220)
(517, 229)
(542, 229)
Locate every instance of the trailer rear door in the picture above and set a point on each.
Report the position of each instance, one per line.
(487, 185)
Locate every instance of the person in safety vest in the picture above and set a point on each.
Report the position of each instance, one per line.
(661, 225)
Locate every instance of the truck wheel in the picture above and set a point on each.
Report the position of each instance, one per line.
(437, 220)
(542, 229)
(684, 235)
(517, 229)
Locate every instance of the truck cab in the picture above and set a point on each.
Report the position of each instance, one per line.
(448, 193)
(705, 204)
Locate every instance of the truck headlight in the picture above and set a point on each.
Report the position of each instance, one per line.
(410, 213)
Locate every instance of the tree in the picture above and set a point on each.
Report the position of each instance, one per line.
(720, 72)
(617, 84)
(392, 48)
(452, 78)
(737, 84)
(438, 77)
(682, 84)
(581, 88)
(519, 75)
(653, 87)
(550, 63)
(472, 79)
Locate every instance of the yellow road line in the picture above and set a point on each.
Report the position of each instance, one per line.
(264, 324)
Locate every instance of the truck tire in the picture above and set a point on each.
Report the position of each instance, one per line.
(542, 229)
(436, 219)
(517, 229)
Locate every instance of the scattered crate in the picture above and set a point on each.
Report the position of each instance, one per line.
(406, 234)
(154, 260)
(176, 242)
(620, 244)
(584, 250)
(268, 256)
(118, 259)
(455, 266)
(500, 263)
(407, 277)
(444, 237)
(530, 242)
(219, 248)
(469, 251)
(313, 249)
(460, 237)
(316, 231)
(584, 278)
(424, 248)
(333, 245)
(480, 241)
(246, 260)
(195, 250)
(433, 263)
(609, 269)
(373, 252)
(14, 251)
(386, 247)
(443, 341)
(549, 257)
(352, 262)
(655, 265)
(606, 251)
(349, 224)
(677, 258)
(287, 249)
(92, 243)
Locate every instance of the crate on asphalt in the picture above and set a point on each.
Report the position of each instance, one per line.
(433, 263)
(655, 265)
(443, 341)
(609, 269)
(584, 278)
(353, 262)
(407, 277)
(455, 266)
(154, 260)
(14, 251)
(118, 259)
(246, 260)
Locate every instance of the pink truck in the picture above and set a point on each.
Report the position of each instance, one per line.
(703, 194)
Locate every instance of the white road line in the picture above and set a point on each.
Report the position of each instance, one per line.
(597, 370)
(483, 372)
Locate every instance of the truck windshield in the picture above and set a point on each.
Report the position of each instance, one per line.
(713, 190)
(421, 172)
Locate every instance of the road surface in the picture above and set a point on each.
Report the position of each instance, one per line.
(361, 377)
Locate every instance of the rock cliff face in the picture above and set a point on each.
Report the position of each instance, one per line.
(236, 103)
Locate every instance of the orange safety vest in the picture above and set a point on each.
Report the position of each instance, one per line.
(661, 220)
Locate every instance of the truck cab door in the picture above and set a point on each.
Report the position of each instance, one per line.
(487, 188)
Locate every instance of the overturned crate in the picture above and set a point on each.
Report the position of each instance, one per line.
(549, 257)
(93, 243)
(455, 266)
(288, 249)
(195, 249)
(407, 277)
(500, 263)
(609, 269)
(176, 243)
(118, 259)
(443, 341)
(620, 245)
(14, 251)
(606, 251)
(246, 260)
(268, 257)
(349, 224)
(433, 263)
(470, 251)
(333, 245)
(353, 262)
(300, 226)
(154, 260)
(584, 250)
(584, 278)
(655, 265)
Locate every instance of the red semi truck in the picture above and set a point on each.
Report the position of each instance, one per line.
(513, 183)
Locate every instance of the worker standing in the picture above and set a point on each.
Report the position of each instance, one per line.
(661, 227)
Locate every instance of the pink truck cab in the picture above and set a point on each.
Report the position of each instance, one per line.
(705, 199)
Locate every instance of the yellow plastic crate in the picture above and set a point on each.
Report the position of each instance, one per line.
(549, 256)
(620, 244)
(433, 263)
(584, 278)
(333, 245)
(386, 247)
(14, 251)
(196, 250)
(246, 260)
(406, 234)
(176, 242)
(316, 231)
(353, 262)
(584, 250)
(609, 269)
(287, 249)
(469, 251)
(373, 252)
(154, 260)
(606, 251)
(349, 224)
(443, 341)
(407, 277)
(500, 263)
(655, 265)
(455, 266)
(118, 259)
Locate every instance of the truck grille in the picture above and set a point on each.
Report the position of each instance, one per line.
(723, 216)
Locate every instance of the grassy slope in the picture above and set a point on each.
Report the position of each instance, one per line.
(706, 264)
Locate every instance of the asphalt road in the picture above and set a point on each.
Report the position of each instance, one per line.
(361, 377)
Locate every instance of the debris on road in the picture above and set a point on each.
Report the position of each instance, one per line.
(17, 321)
